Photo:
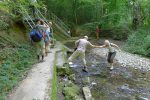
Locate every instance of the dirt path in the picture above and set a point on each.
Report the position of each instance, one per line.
(36, 85)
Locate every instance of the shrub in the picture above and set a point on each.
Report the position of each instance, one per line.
(13, 64)
(147, 45)
(139, 42)
(3, 25)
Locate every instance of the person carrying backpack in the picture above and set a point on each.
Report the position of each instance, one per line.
(37, 37)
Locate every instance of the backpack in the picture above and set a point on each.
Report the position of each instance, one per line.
(46, 37)
(35, 35)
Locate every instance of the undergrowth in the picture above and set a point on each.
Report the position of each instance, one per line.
(139, 42)
(14, 62)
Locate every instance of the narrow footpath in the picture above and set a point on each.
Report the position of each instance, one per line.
(36, 86)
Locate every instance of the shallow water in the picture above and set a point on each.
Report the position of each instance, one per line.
(118, 84)
(122, 83)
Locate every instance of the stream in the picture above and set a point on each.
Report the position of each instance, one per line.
(122, 83)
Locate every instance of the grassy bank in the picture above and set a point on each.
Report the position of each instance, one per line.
(54, 82)
(16, 56)
(14, 64)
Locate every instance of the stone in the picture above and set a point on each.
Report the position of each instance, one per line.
(71, 92)
(72, 77)
(64, 70)
(142, 98)
(87, 93)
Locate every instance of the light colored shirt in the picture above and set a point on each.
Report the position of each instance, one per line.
(82, 44)
(42, 28)
(48, 29)
(110, 48)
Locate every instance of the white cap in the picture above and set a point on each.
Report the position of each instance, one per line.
(86, 37)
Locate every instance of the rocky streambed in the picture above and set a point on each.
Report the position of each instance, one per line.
(125, 82)
(122, 83)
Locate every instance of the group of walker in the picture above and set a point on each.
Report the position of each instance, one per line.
(41, 38)
(82, 45)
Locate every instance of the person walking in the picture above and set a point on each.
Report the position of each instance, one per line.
(50, 31)
(81, 46)
(111, 52)
(37, 37)
(47, 41)
(97, 32)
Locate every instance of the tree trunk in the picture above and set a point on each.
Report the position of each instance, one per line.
(136, 15)
(75, 11)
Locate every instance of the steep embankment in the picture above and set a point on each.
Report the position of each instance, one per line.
(16, 55)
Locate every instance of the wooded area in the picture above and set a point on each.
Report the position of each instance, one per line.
(108, 13)
(123, 18)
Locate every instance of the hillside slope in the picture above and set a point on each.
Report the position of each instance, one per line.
(16, 53)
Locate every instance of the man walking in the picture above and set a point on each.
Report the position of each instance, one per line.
(81, 46)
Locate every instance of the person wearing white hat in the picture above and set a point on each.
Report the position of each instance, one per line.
(81, 46)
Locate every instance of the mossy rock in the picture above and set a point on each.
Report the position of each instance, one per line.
(86, 80)
(71, 92)
(69, 84)
(64, 70)
(72, 77)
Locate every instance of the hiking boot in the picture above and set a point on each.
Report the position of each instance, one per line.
(70, 63)
(85, 69)
(38, 58)
(42, 57)
(111, 68)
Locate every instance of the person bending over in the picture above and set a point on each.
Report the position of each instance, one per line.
(81, 46)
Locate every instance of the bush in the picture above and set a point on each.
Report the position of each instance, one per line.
(147, 45)
(3, 25)
(120, 34)
(13, 64)
(139, 42)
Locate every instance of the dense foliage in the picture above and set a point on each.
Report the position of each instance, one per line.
(139, 42)
(16, 55)
(119, 19)
(15, 59)
(13, 64)
(107, 12)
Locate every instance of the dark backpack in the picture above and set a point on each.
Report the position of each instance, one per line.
(36, 35)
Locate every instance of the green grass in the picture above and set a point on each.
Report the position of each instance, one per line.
(14, 62)
(54, 82)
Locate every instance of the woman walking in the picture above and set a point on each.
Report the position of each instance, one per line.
(111, 52)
